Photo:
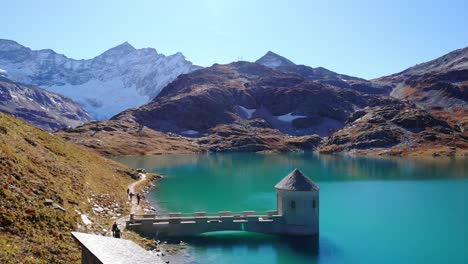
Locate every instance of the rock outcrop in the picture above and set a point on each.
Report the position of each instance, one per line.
(239, 138)
(397, 129)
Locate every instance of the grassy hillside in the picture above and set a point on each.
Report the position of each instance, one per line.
(35, 166)
(112, 138)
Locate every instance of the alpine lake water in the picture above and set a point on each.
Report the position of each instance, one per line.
(372, 210)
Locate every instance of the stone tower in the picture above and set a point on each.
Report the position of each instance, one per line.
(298, 203)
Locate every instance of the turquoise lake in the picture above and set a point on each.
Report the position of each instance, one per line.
(390, 210)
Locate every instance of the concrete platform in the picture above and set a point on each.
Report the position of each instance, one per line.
(108, 250)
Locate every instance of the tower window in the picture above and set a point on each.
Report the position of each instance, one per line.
(293, 204)
(314, 204)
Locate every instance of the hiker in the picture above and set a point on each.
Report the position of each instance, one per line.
(138, 198)
(128, 191)
(131, 196)
(117, 233)
(114, 227)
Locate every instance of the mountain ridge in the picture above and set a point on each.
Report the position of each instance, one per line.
(439, 85)
(245, 106)
(453, 56)
(44, 109)
(224, 94)
(322, 75)
(120, 78)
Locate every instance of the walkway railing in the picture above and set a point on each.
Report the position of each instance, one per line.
(204, 215)
(183, 224)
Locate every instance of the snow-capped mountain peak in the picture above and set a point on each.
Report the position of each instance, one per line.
(273, 60)
(120, 50)
(120, 78)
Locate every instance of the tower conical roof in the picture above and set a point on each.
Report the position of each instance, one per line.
(297, 181)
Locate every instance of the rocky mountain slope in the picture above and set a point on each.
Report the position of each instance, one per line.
(120, 78)
(398, 128)
(245, 106)
(249, 94)
(438, 84)
(322, 75)
(48, 188)
(44, 109)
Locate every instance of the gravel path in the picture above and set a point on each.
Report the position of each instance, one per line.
(135, 208)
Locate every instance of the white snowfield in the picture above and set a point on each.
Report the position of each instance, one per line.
(190, 132)
(248, 112)
(103, 99)
(289, 117)
(120, 78)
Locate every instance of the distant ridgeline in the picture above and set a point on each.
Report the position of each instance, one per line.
(275, 105)
(272, 104)
(120, 78)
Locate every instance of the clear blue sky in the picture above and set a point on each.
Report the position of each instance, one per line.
(365, 38)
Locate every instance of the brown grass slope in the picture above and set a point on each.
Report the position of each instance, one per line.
(34, 166)
(113, 138)
(120, 137)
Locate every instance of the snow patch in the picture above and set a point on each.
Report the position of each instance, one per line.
(272, 62)
(190, 132)
(248, 112)
(289, 117)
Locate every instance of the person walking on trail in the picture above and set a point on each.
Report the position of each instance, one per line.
(131, 196)
(117, 233)
(128, 191)
(138, 198)
(114, 227)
